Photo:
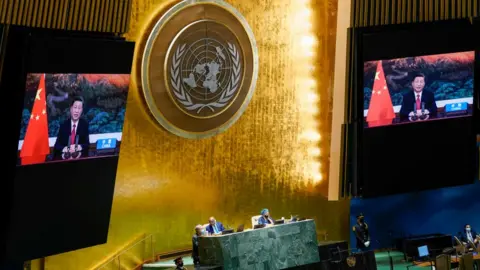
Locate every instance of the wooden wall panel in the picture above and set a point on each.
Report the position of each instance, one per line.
(381, 12)
(80, 15)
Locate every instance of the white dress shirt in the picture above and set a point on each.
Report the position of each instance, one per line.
(76, 125)
(469, 236)
(417, 94)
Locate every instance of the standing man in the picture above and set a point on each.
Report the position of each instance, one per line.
(195, 253)
(215, 227)
(418, 99)
(361, 233)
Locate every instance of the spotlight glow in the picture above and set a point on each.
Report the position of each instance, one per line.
(308, 41)
(314, 151)
(307, 94)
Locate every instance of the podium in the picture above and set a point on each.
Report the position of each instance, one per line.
(356, 261)
(278, 247)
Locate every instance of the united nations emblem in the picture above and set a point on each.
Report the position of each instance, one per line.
(205, 72)
(351, 261)
(199, 68)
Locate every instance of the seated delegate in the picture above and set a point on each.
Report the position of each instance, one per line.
(469, 235)
(265, 218)
(214, 226)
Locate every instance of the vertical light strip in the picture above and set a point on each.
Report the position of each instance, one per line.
(305, 48)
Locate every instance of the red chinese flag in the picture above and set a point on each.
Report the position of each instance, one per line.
(380, 112)
(35, 145)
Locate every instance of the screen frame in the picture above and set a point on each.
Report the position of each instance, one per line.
(368, 47)
(35, 50)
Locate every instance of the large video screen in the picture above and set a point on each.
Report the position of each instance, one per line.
(72, 116)
(418, 89)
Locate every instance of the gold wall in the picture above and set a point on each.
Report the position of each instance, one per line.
(166, 185)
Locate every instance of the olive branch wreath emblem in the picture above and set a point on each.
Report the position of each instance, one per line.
(184, 98)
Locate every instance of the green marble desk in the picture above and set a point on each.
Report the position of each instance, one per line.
(277, 247)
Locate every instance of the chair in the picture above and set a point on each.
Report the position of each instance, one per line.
(460, 247)
(472, 246)
(443, 262)
(466, 262)
(255, 220)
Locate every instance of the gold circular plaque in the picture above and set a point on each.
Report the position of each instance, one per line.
(199, 68)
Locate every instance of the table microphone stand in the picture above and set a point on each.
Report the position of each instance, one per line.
(76, 153)
(414, 116)
(67, 154)
(423, 116)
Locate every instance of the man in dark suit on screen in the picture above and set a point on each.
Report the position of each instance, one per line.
(419, 103)
(73, 137)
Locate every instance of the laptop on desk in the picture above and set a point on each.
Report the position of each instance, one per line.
(259, 226)
(280, 221)
(423, 254)
(229, 231)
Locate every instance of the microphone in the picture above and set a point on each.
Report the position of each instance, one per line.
(67, 155)
(414, 117)
(75, 154)
(340, 253)
(423, 116)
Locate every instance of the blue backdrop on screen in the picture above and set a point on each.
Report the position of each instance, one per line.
(436, 211)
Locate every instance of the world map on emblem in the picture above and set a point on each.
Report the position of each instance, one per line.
(205, 75)
(199, 68)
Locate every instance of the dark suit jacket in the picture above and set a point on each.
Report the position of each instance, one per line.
(408, 104)
(195, 254)
(219, 227)
(464, 238)
(63, 137)
(361, 234)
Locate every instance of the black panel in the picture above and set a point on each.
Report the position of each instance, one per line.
(476, 98)
(417, 156)
(413, 157)
(61, 207)
(12, 78)
(396, 41)
(55, 207)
